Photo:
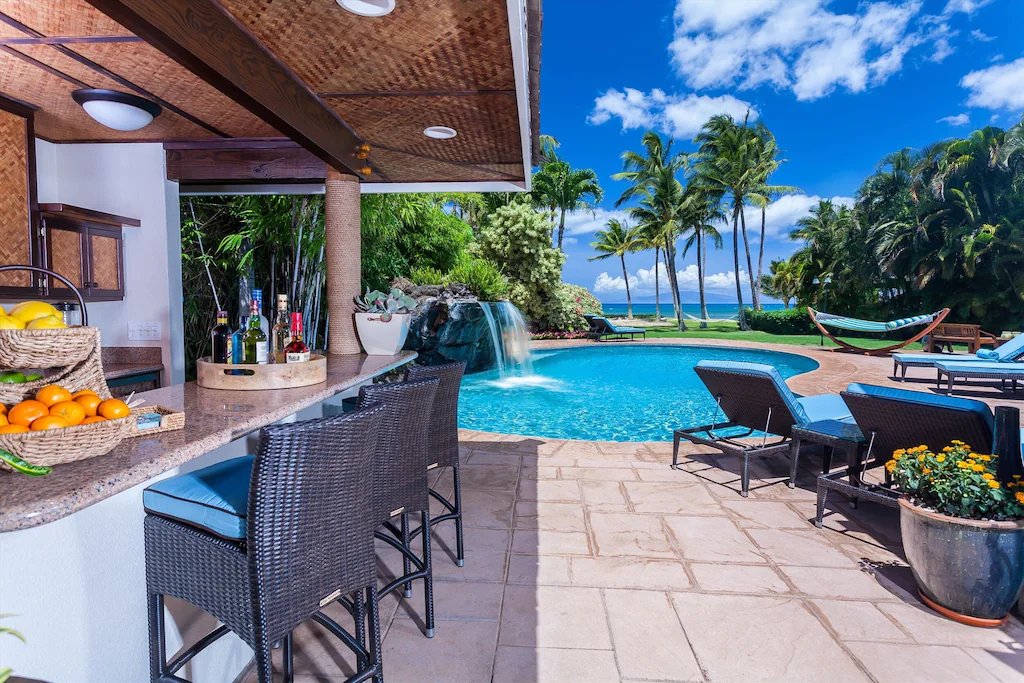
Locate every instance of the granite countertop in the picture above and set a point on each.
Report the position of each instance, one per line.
(125, 361)
(213, 417)
(119, 370)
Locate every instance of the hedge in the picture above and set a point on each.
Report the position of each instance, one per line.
(785, 321)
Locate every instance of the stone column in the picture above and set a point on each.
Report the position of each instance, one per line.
(342, 251)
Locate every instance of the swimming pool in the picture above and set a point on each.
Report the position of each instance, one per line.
(607, 392)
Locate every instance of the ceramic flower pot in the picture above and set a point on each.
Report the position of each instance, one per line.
(382, 338)
(969, 570)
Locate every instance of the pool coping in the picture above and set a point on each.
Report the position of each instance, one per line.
(834, 373)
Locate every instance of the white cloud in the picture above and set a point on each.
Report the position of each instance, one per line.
(783, 213)
(981, 36)
(959, 120)
(587, 223)
(997, 87)
(805, 46)
(641, 283)
(677, 115)
(570, 240)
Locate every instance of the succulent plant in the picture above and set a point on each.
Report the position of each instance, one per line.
(395, 301)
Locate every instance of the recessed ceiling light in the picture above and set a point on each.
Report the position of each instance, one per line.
(368, 8)
(440, 132)
(117, 110)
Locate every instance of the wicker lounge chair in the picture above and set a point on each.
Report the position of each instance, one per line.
(953, 369)
(601, 328)
(1010, 351)
(755, 397)
(820, 320)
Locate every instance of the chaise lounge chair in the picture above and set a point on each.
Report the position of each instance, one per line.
(820, 320)
(1008, 352)
(755, 397)
(953, 369)
(602, 328)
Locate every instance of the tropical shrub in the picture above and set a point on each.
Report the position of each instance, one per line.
(786, 321)
(956, 481)
(582, 296)
(519, 238)
(574, 334)
(482, 278)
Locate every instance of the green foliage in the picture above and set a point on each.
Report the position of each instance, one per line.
(5, 672)
(558, 187)
(426, 276)
(519, 238)
(586, 301)
(786, 321)
(956, 481)
(482, 277)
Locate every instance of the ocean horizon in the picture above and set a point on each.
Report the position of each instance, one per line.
(715, 311)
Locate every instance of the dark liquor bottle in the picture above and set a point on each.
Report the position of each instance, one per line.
(279, 335)
(221, 335)
(296, 351)
(254, 340)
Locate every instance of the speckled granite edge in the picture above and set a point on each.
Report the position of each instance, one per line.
(28, 502)
(119, 370)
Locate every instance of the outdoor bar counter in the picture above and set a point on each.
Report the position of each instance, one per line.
(71, 543)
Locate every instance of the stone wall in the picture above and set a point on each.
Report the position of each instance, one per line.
(448, 324)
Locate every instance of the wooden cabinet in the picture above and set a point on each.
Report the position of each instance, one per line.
(86, 247)
(19, 237)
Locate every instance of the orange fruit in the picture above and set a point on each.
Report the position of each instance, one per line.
(52, 393)
(3, 409)
(25, 412)
(93, 418)
(3, 420)
(13, 429)
(71, 411)
(49, 422)
(90, 402)
(84, 392)
(113, 408)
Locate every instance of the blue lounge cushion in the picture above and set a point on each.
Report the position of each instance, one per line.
(921, 398)
(762, 370)
(214, 499)
(999, 366)
(1005, 353)
(935, 358)
(825, 407)
(614, 328)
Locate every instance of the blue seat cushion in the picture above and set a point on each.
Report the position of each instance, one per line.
(1008, 368)
(935, 358)
(762, 370)
(1007, 352)
(825, 407)
(921, 398)
(214, 499)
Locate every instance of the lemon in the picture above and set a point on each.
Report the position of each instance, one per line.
(9, 323)
(48, 322)
(30, 310)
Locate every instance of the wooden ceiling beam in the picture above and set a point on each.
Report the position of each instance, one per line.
(204, 38)
(69, 40)
(419, 93)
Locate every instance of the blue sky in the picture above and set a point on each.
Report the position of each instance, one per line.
(839, 83)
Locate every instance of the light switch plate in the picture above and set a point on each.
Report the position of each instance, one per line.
(144, 331)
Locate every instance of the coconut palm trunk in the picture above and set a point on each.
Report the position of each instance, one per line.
(657, 295)
(561, 230)
(629, 299)
(736, 263)
(702, 262)
(750, 265)
(756, 291)
(673, 280)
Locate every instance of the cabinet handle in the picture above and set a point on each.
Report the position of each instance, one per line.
(95, 284)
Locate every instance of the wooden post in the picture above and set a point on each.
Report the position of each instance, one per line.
(342, 250)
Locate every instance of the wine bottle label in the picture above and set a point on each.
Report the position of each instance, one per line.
(261, 352)
(229, 355)
(298, 357)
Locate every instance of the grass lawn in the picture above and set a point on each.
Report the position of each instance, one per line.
(730, 331)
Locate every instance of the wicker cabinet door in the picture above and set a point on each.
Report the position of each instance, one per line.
(16, 234)
(65, 255)
(106, 264)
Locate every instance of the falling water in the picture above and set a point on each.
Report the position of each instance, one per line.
(509, 337)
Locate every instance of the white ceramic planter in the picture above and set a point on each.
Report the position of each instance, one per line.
(381, 338)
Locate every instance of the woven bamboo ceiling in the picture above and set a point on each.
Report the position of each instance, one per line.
(428, 63)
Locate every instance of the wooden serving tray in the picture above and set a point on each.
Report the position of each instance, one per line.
(212, 375)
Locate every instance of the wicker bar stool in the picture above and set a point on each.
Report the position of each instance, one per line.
(266, 552)
(443, 440)
(400, 479)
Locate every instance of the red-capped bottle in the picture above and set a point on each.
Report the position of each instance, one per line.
(296, 351)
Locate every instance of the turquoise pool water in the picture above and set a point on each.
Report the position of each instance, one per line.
(606, 392)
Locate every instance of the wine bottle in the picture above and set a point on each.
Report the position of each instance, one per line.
(296, 351)
(279, 334)
(254, 340)
(221, 337)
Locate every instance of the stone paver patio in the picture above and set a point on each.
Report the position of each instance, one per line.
(596, 562)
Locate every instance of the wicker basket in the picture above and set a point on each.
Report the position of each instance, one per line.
(23, 349)
(87, 374)
(58, 446)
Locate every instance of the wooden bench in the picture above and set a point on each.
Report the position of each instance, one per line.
(947, 334)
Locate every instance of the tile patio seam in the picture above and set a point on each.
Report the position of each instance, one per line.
(611, 633)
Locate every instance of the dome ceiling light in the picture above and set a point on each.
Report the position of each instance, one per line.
(368, 8)
(117, 110)
(440, 132)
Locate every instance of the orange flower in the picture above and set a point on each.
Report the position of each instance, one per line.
(993, 483)
(1019, 496)
(940, 458)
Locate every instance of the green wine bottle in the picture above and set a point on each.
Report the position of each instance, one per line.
(254, 341)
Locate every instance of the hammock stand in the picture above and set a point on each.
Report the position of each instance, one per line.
(931, 321)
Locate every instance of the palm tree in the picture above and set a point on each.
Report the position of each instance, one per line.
(649, 237)
(727, 156)
(701, 211)
(652, 178)
(618, 240)
(781, 282)
(559, 187)
(763, 194)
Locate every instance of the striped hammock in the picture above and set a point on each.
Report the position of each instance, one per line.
(857, 325)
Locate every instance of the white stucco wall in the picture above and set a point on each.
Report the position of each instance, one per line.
(127, 180)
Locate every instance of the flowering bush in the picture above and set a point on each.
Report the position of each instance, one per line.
(956, 481)
(574, 334)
